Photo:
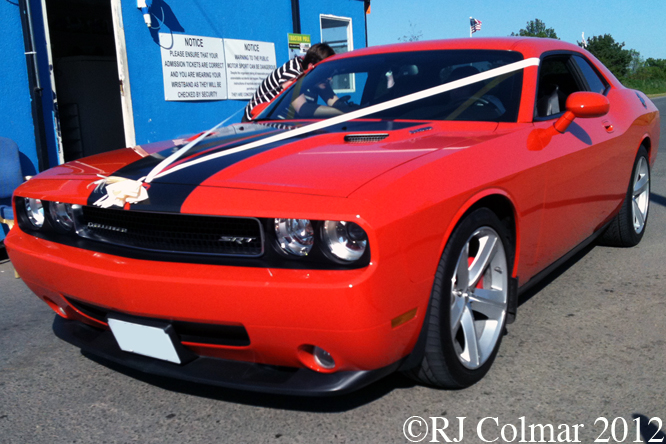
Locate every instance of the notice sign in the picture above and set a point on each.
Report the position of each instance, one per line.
(193, 67)
(248, 64)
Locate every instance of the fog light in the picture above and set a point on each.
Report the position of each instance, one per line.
(35, 211)
(323, 358)
(55, 307)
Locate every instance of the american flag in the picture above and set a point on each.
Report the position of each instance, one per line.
(474, 25)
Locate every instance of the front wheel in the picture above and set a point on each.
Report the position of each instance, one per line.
(468, 303)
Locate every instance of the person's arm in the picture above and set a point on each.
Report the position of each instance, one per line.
(286, 84)
(305, 108)
(290, 72)
(327, 94)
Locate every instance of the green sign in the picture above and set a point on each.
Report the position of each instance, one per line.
(298, 44)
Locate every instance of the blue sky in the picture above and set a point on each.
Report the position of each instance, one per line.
(637, 23)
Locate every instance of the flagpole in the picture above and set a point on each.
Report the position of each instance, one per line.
(470, 27)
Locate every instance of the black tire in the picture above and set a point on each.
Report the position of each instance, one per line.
(443, 361)
(624, 230)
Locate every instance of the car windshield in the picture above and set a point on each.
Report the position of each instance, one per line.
(340, 86)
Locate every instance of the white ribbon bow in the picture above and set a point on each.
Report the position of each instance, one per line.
(120, 190)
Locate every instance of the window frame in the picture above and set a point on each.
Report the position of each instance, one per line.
(350, 43)
(601, 78)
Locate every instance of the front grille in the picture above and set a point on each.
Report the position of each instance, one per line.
(172, 233)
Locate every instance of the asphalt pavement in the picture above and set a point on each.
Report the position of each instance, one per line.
(586, 359)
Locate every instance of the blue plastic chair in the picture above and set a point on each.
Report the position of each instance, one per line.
(10, 178)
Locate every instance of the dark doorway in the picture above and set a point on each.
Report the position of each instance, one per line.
(86, 76)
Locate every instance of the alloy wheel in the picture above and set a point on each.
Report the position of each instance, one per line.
(640, 195)
(479, 297)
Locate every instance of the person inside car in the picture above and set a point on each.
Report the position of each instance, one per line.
(284, 76)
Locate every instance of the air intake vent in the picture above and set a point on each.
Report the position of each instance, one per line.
(233, 335)
(365, 138)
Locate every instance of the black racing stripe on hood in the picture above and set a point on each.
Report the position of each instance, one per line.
(171, 198)
(168, 193)
(143, 167)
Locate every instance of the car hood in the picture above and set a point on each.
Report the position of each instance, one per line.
(331, 162)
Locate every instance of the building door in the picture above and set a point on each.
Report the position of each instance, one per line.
(87, 105)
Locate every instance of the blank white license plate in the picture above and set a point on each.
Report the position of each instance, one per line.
(143, 340)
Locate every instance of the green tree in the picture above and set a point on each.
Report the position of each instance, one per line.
(610, 53)
(537, 28)
(656, 63)
(650, 77)
(652, 70)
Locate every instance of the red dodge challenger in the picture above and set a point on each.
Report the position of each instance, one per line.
(326, 244)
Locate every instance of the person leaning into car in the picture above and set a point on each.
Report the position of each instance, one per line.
(285, 75)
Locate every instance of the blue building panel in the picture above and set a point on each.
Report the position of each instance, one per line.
(259, 20)
(154, 117)
(16, 121)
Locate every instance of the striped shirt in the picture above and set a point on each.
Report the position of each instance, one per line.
(272, 86)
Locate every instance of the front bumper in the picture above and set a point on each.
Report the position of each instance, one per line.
(348, 313)
(221, 372)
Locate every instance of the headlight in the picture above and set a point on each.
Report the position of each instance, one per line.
(345, 240)
(35, 211)
(295, 236)
(61, 213)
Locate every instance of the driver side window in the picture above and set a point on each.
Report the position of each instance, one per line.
(557, 79)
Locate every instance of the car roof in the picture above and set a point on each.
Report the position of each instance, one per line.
(528, 46)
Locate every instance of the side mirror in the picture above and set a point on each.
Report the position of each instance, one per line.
(582, 105)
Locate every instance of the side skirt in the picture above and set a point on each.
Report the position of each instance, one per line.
(549, 269)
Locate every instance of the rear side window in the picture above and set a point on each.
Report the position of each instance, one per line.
(595, 82)
(561, 75)
(556, 82)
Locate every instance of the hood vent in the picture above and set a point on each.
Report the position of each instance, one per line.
(365, 138)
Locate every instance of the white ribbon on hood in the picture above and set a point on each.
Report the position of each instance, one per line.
(120, 190)
(130, 192)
